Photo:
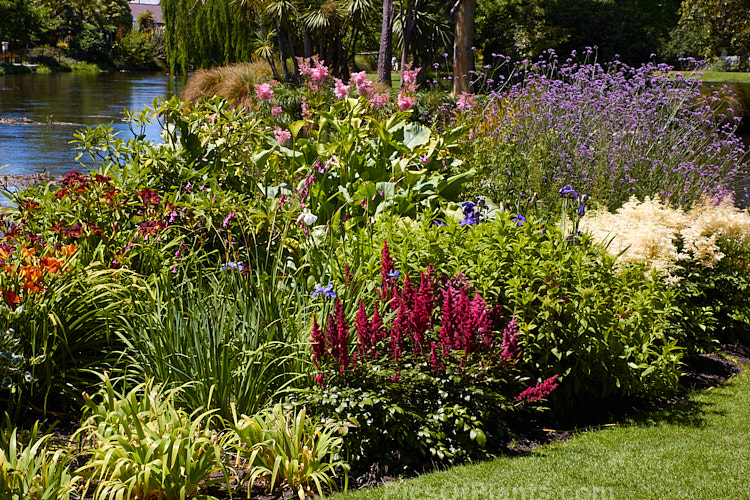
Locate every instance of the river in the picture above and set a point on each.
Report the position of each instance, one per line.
(39, 113)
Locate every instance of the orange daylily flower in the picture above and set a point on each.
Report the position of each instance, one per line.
(51, 264)
(67, 250)
(11, 297)
(30, 274)
(32, 287)
(27, 252)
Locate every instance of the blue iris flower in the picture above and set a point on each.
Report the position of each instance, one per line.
(567, 190)
(394, 274)
(326, 291)
(233, 265)
(471, 216)
(520, 219)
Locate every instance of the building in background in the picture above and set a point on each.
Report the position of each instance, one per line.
(138, 6)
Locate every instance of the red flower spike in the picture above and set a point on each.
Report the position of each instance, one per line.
(447, 331)
(318, 343)
(539, 391)
(510, 347)
(342, 337)
(364, 334)
(436, 367)
(377, 333)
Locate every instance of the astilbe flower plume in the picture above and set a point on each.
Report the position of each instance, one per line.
(510, 346)
(539, 391)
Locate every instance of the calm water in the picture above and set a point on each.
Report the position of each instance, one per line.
(59, 104)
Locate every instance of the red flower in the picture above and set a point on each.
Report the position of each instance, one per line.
(539, 391)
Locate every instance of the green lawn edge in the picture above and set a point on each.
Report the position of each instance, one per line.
(696, 449)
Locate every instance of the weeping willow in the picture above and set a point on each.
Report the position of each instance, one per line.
(206, 33)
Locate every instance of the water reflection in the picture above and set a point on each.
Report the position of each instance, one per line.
(59, 104)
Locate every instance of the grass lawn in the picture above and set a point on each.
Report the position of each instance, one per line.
(698, 449)
(721, 76)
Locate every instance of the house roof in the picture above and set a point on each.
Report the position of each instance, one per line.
(137, 8)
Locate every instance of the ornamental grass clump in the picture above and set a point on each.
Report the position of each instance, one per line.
(613, 130)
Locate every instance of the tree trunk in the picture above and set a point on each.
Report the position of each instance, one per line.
(463, 55)
(386, 45)
(282, 53)
(408, 34)
(308, 43)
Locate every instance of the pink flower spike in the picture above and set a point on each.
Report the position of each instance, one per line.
(276, 111)
(539, 391)
(281, 135)
(341, 91)
(405, 102)
(263, 91)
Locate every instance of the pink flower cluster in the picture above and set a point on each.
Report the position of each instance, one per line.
(281, 135)
(312, 68)
(466, 324)
(263, 91)
(539, 391)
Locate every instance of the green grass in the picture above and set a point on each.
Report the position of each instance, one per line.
(721, 76)
(698, 449)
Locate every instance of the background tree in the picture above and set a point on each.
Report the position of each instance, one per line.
(385, 52)
(710, 28)
(463, 45)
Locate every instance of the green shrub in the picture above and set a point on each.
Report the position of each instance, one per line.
(135, 51)
(30, 469)
(606, 332)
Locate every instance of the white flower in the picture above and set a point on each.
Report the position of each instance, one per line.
(307, 217)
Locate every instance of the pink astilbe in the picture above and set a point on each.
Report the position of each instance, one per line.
(465, 328)
(539, 391)
(364, 333)
(263, 91)
(379, 100)
(511, 335)
(377, 332)
(318, 343)
(480, 311)
(436, 367)
(342, 336)
(398, 329)
(340, 90)
(276, 111)
(447, 330)
(422, 312)
(363, 84)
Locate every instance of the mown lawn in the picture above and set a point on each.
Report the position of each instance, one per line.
(698, 449)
